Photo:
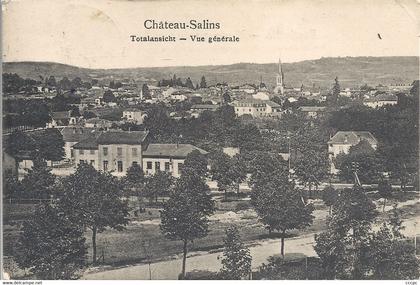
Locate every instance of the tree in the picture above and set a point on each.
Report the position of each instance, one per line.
(38, 183)
(365, 159)
(51, 245)
(391, 255)
(335, 91)
(226, 98)
(50, 144)
(189, 84)
(342, 248)
(220, 166)
(196, 162)
(280, 206)
(311, 167)
(109, 96)
(158, 185)
(385, 191)
(203, 83)
(185, 215)
(134, 182)
(329, 196)
(93, 199)
(145, 91)
(236, 262)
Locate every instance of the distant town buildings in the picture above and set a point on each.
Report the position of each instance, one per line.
(134, 115)
(381, 100)
(257, 108)
(279, 89)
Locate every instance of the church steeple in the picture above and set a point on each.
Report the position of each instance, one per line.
(280, 80)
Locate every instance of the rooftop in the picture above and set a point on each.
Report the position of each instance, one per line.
(312, 109)
(170, 150)
(77, 134)
(352, 137)
(122, 137)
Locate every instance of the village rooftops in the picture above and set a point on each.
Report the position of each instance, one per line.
(171, 150)
(204, 107)
(352, 137)
(256, 102)
(382, 97)
(89, 143)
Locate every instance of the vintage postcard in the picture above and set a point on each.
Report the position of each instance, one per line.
(210, 140)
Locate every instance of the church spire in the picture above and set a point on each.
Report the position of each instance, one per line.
(280, 80)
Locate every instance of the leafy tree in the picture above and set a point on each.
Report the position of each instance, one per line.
(203, 83)
(263, 166)
(51, 245)
(51, 81)
(89, 115)
(248, 138)
(18, 142)
(391, 255)
(109, 96)
(93, 199)
(329, 196)
(226, 98)
(385, 191)
(311, 168)
(185, 215)
(146, 92)
(196, 162)
(236, 262)
(38, 183)
(50, 144)
(280, 206)
(158, 185)
(367, 161)
(134, 181)
(220, 166)
(335, 91)
(343, 247)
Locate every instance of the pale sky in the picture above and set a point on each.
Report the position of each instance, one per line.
(95, 33)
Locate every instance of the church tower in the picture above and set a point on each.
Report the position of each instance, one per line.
(279, 81)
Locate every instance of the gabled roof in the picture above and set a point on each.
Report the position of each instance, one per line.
(170, 150)
(89, 143)
(62, 115)
(352, 137)
(122, 137)
(77, 134)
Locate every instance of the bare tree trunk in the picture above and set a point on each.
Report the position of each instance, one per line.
(94, 245)
(184, 259)
(282, 243)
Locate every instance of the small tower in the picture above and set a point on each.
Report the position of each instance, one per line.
(279, 80)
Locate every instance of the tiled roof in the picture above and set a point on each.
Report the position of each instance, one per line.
(89, 143)
(77, 134)
(122, 137)
(170, 150)
(352, 137)
(204, 106)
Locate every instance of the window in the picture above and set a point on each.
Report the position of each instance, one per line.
(180, 166)
(105, 165)
(119, 150)
(167, 166)
(92, 162)
(81, 151)
(135, 163)
(72, 153)
(120, 166)
(92, 151)
(105, 151)
(149, 165)
(157, 165)
(134, 151)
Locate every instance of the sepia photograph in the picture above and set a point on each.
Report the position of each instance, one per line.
(210, 140)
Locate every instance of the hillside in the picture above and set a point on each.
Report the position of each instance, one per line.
(351, 71)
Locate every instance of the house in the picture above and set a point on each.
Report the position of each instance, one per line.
(381, 100)
(167, 157)
(257, 108)
(312, 111)
(260, 95)
(200, 108)
(73, 135)
(62, 118)
(343, 140)
(116, 151)
(134, 115)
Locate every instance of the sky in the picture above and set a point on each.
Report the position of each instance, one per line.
(96, 33)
